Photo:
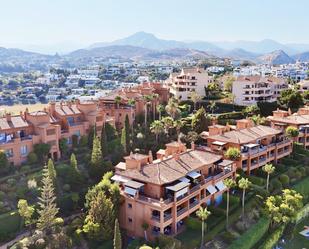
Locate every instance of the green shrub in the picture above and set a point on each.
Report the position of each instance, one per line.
(272, 239)
(9, 225)
(284, 179)
(32, 158)
(193, 223)
(66, 187)
(303, 188)
(275, 185)
(228, 237)
(302, 170)
(257, 180)
(24, 168)
(2, 194)
(258, 190)
(251, 236)
(217, 211)
(11, 181)
(167, 242)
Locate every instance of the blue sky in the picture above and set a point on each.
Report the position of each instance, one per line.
(88, 21)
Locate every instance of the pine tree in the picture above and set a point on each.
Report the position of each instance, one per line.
(124, 139)
(117, 236)
(103, 141)
(128, 128)
(47, 203)
(51, 170)
(96, 155)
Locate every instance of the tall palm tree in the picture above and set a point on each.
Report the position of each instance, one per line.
(155, 97)
(168, 123)
(157, 128)
(203, 214)
(269, 169)
(117, 101)
(243, 184)
(172, 107)
(229, 183)
(147, 100)
(178, 124)
(145, 227)
(160, 109)
(195, 97)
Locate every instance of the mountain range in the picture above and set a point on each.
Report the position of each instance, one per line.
(142, 45)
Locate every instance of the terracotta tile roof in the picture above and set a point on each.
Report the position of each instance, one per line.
(16, 122)
(170, 169)
(247, 135)
(64, 110)
(292, 119)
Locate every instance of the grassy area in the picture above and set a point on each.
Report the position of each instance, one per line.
(15, 109)
(9, 225)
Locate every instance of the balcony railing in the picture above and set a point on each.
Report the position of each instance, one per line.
(155, 217)
(193, 204)
(167, 217)
(182, 211)
(195, 188)
(283, 142)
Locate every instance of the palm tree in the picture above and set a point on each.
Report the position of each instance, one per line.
(160, 109)
(172, 107)
(229, 183)
(117, 101)
(203, 215)
(168, 123)
(269, 169)
(157, 128)
(243, 184)
(212, 106)
(147, 99)
(155, 97)
(178, 124)
(195, 97)
(145, 227)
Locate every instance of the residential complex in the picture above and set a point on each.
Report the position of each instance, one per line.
(258, 144)
(165, 191)
(249, 90)
(282, 119)
(187, 81)
(19, 133)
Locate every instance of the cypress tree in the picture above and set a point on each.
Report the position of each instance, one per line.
(117, 236)
(127, 125)
(96, 155)
(91, 136)
(124, 139)
(103, 141)
(73, 162)
(47, 203)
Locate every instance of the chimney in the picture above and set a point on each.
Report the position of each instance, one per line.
(244, 123)
(8, 116)
(52, 107)
(192, 145)
(150, 157)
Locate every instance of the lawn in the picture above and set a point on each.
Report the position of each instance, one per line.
(15, 109)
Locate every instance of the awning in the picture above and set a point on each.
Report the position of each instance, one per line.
(211, 189)
(118, 178)
(181, 192)
(220, 185)
(178, 186)
(184, 179)
(134, 184)
(225, 163)
(194, 174)
(218, 143)
(130, 191)
(251, 145)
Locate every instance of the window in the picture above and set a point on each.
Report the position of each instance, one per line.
(9, 152)
(51, 132)
(129, 205)
(99, 118)
(77, 133)
(24, 150)
(52, 143)
(130, 220)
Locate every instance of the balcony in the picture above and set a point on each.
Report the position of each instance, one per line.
(167, 217)
(195, 188)
(181, 211)
(193, 204)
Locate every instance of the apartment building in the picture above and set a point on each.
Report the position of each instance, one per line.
(248, 90)
(165, 191)
(282, 119)
(258, 144)
(119, 110)
(187, 81)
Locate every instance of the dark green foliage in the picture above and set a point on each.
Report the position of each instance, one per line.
(110, 131)
(9, 225)
(63, 145)
(69, 175)
(193, 223)
(275, 185)
(257, 180)
(117, 236)
(291, 98)
(41, 150)
(91, 136)
(103, 141)
(32, 158)
(200, 121)
(284, 179)
(74, 141)
(267, 108)
(168, 242)
(4, 163)
(83, 141)
(272, 238)
(124, 140)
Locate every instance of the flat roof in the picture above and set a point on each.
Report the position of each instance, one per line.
(134, 184)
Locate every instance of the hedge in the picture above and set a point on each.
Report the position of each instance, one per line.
(303, 188)
(257, 180)
(252, 236)
(9, 225)
(273, 238)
